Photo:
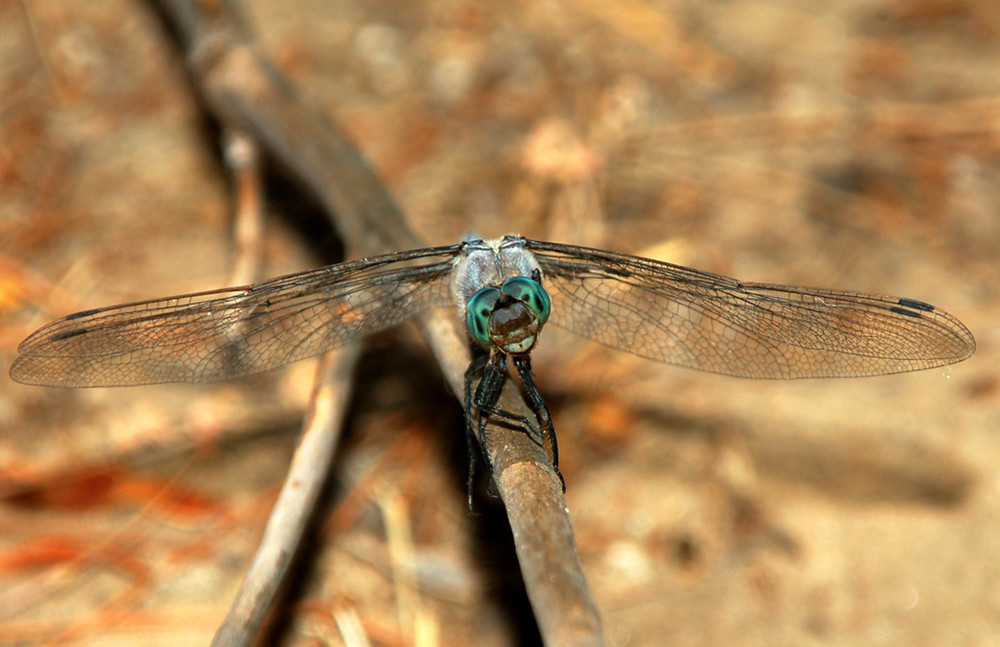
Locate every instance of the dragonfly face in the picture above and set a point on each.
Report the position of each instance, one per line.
(511, 316)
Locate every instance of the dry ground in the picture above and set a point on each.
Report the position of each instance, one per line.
(850, 143)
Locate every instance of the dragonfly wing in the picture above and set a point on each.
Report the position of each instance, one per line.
(713, 323)
(222, 334)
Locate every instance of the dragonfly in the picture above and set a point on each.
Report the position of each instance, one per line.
(505, 290)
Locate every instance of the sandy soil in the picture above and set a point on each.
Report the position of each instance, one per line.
(851, 144)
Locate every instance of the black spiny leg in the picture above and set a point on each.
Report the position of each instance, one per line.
(478, 365)
(547, 431)
(487, 395)
(485, 401)
(494, 372)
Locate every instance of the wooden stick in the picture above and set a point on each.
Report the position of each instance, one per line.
(244, 90)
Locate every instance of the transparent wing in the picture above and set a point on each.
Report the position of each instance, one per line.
(221, 334)
(714, 323)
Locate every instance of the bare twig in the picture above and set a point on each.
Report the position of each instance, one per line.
(244, 90)
(543, 537)
(295, 502)
(242, 155)
(314, 454)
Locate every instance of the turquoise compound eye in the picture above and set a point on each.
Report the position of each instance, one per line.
(477, 314)
(531, 293)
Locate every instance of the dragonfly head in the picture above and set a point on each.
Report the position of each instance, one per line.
(509, 317)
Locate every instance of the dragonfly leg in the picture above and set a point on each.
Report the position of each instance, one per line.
(547, 430)
(494, 372)
(484, 401)
(478, 366)
(487, 395)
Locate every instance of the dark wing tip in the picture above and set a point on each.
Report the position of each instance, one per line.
(66, 334)
(82, 314)
(904, 311)
(916, 305)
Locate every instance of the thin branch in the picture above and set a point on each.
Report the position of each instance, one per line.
(320, 430)
(244, 90)
(543, 535)
(242, 155)
(296, 501)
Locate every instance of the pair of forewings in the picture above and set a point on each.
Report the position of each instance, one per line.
(657, 310)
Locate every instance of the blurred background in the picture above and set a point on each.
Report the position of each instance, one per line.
(851, 144)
